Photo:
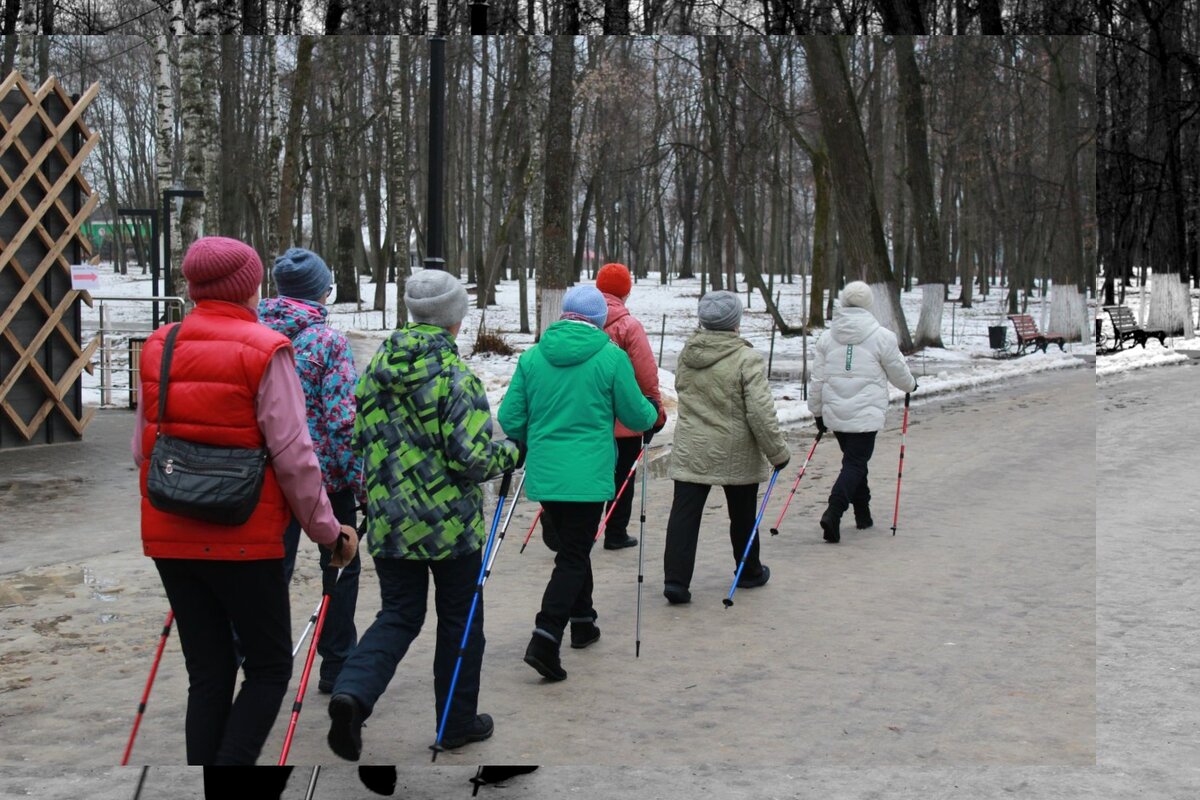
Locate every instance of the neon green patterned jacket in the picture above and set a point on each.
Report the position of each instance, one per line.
(425, 431)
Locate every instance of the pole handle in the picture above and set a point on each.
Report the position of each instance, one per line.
(907, 396)
(506, 484)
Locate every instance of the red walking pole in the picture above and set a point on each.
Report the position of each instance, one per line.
(613, 506)
(531, 527)
(137, 721)
(778, 522)
(900, 473)
(308, 663)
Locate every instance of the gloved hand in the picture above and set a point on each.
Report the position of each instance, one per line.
(783, 466)
(915, 384)
(345, 547)
(522, 451)
(821, 425)
(647, 436)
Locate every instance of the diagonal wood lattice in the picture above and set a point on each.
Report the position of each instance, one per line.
(46, 232)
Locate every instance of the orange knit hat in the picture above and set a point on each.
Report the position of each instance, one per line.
(614, 279)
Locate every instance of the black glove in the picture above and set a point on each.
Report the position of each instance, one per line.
(821, 425)
(521, 452)
(647, 436)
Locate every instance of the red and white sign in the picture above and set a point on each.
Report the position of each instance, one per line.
(84, 278)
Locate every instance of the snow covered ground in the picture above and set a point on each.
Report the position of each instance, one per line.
(1153, 354)
(669, 315)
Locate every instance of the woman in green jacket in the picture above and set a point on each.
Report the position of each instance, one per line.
(725, 436)
(565, 393)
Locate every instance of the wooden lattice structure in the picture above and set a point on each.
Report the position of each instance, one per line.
(45, 202)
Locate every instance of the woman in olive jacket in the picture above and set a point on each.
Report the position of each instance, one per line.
(725, 436)
(564, 395)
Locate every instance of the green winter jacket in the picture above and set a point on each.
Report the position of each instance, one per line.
(425, 431)
(727, 418)
(565, 393)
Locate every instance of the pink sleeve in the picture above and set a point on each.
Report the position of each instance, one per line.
(645, 368)
(139, 425)
(281, 417)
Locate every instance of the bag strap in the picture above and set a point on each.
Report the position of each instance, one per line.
(165, 370)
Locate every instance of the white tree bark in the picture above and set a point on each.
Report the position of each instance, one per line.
(550, 302)
(196, 119)
(1170, 305)
(28, 39)
(274, 148)
(883, 308)
(929, 324)
(1068, 313)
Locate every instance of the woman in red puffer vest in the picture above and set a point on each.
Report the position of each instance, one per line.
(232, 383)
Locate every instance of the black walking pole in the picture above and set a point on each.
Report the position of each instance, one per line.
(491, 547)
(637, 647)
(728, 601)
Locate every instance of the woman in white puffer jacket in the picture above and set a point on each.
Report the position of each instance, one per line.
(853, 363)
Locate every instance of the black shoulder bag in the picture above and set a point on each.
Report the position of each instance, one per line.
(201, 481)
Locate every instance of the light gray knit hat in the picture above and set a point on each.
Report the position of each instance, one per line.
(435, 297)
(720, 311)
(856, 294)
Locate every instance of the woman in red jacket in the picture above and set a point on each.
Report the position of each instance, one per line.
(614, 281)
(232, 383)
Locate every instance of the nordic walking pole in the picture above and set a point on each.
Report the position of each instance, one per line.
(312, 620)
(490, 549)
(137, 793)
(531, 528)
(778, 522)
(900, 472)
(312, 783)
(728, 601)
(513, 507)
(613, 506)
(141, 710)
(637, 647)
(308, 663)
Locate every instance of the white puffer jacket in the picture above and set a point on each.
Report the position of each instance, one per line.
(855, 358)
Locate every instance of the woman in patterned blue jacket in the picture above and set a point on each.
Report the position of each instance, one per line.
(325, 364)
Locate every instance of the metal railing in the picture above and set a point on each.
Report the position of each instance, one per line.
(120, 339)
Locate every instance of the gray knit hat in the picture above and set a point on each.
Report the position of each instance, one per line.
(720, 311)
(435, 297)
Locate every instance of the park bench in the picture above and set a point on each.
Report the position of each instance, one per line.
(1125, 328)
(1029, 336)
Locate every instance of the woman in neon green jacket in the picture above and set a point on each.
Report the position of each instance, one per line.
(564, 396)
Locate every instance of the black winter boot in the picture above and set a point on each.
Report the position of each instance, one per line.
(862, 516)
(676, 593)
(480, 728)
(345, 727)
(583, 633)
(542, 655)
(831, 524)
(380, 780)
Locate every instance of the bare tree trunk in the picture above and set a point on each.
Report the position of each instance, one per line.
(861, 232)
(274, 147)
(289, 182)
(397, 178)
(554, 277)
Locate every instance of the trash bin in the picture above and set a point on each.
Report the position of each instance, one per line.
(135, 359)
(997, 336)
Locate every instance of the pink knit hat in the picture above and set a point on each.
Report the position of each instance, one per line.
(218, 268)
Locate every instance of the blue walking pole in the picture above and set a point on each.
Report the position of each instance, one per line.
(728, 601)
(489, 557)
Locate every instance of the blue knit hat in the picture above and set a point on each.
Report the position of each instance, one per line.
(586, 301)
(301, 274)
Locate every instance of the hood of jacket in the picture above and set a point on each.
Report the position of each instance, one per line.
(616, 310)
(290, 317)
(569, 342)
(410, 358)
(852, 325)
(706, 348)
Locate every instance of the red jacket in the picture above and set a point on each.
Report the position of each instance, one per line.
(220, 355)
(631, 337)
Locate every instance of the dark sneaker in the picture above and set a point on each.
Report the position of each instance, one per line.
(542, 655)
(621, 543)
(379, 779)
(480, 728)
(583, 634)
(345, 728)
(831, 525)
(761, 578)
(677, 594)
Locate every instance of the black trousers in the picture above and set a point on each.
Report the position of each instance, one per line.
(568, 595)
(209, 599)
(683, 529)
(618, 524)
(850, 488)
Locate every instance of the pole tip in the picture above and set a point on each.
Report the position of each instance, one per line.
(522, 550)
(774, 531)
(893, 530)
(727, 602)
(637, 650)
